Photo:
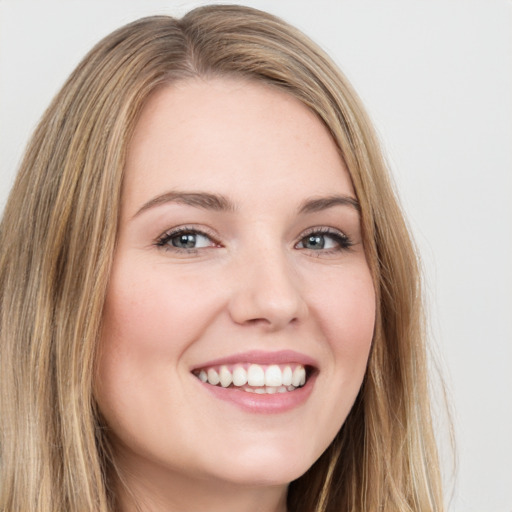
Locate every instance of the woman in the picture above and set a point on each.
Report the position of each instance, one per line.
(210, 300)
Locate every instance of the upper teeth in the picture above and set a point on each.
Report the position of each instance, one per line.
(254, 375)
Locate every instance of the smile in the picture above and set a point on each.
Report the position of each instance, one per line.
(255, 378)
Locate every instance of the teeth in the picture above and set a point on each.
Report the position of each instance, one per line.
(270, 390)
(225, 377)
(287, 376)
(299, 376)
(273, 376)
(256, 378)
(239, 376)
(213, 377)
(255, 375)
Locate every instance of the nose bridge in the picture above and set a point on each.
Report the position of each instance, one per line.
(267, 290)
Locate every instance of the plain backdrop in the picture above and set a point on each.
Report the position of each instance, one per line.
(436, 77)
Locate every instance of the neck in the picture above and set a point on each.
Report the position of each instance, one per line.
(175, 493)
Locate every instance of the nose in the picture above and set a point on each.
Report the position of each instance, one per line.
(266, 292)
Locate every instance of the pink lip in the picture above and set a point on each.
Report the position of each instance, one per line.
(262, 357)
(264, 403)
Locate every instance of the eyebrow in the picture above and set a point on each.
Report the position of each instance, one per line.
(218, 202)
(324, 203)
(204, 200)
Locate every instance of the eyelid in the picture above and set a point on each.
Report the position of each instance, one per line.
(345, 242)
(161, 240)
(324, 230)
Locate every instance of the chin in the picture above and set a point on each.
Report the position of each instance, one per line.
(265, 467)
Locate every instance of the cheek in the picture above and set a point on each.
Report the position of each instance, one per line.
(344, 309)
(146, 327)
(347, 313)
(148, 324)
(151, 316)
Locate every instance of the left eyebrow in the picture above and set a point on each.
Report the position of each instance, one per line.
(323, 203)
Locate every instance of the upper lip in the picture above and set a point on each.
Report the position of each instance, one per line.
(261, 357)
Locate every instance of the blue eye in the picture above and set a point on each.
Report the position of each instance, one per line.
(189, 241)
(185, 239)
(320, 240)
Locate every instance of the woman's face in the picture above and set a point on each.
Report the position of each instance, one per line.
(239, 258)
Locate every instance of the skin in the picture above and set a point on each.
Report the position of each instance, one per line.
(251, 283)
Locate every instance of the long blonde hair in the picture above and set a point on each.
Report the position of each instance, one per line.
(57, 238)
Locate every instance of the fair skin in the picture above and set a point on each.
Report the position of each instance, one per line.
(239, 244)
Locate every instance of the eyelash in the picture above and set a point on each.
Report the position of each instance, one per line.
(164, 240)
(343, 242)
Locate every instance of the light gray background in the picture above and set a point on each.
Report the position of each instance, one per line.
(436, 77)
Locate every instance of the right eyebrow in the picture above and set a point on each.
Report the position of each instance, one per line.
(204, 200)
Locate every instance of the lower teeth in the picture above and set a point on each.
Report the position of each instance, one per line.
(267, 390)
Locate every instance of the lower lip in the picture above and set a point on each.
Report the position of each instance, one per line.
(264, 403)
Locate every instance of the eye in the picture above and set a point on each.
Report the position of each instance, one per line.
(189, 241)
(324, 239)
(185, 239)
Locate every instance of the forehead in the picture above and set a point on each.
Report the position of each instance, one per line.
(232, 137)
